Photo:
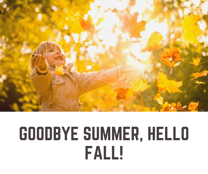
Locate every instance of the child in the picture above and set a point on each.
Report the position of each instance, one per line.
(62, 92)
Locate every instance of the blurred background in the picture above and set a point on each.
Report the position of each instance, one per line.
(27, 23)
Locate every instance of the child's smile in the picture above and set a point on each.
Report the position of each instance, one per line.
(54, 55)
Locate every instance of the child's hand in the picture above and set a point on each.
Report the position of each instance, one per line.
(39, 61)
(127, 69)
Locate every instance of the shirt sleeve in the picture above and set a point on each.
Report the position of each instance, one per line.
(90, 81)
(41, 79)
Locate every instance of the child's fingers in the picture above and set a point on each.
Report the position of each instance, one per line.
(37, 60)
(33, 59)
(37, 54)
(34, 56)
(42, 57)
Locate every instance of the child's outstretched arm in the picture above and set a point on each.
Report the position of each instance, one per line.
(94, 80)
(41, 76)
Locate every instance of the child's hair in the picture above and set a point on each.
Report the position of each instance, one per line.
(42, 48)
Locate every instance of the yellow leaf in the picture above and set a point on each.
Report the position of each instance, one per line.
(59, 70)
(74, 17)
(196, 61)
(159, 98)
(164, 84)
(130, 93)
(153, 42)
(139, 85)
(173, 86)
(190, 30)
(99, 21)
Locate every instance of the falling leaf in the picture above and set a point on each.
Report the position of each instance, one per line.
(173, 86)
(59, 70)
(74, 17)
(201, 74)
(190, 30)
(170, 56)
(121, 93)
(200, 83)
(196, 61)
(99, 21)
(193, 106)
(177, 35)
(131, 26)
(159, 98)
(164, 84)
(139, 85)
(87, 25)
(153, 42)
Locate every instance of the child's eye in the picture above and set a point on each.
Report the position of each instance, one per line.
(50, 51)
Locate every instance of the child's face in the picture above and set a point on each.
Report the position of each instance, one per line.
(55, 56)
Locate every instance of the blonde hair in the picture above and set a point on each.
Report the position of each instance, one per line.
(42, 48)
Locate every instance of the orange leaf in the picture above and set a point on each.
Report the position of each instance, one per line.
(196, 61)
(193, 106)
(178, 107)
(59, 70)
(201, 74)
(165, 107)
(170, 56)
(87, 25)
(131, 26)
(153, 42)
(121, 93)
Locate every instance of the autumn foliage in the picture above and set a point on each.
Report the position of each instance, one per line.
(172, 63)
(171, 55)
